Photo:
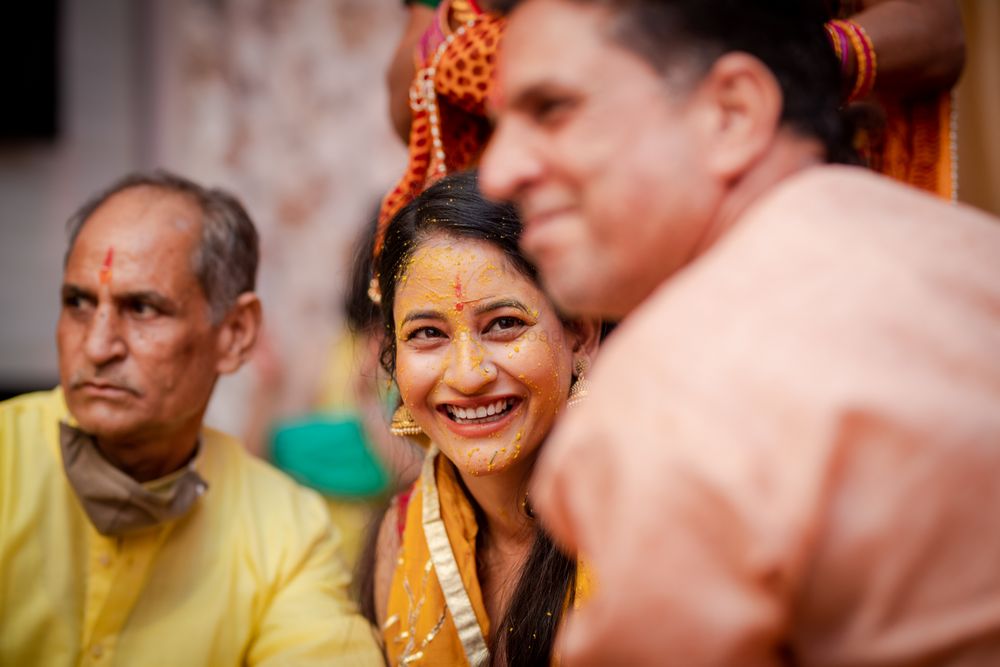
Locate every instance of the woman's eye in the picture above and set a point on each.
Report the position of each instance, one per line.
(425, 333)
(506, 324)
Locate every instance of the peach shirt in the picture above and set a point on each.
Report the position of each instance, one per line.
(793, 447)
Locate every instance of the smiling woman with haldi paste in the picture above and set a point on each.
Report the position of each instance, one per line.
(484, 365)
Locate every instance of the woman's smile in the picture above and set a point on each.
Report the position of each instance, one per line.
(480, 362)
(480, 417)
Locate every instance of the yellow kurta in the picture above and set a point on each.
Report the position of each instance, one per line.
(250, 576)
(436, 614)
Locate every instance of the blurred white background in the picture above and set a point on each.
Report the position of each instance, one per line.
(284, 103)
(281, 101)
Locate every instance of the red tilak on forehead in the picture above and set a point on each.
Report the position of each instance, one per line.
(105, 274)
(458, 292)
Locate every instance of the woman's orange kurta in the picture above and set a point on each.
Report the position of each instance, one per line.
(427, 602)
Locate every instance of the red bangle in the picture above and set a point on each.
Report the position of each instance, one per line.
(864, 51)
(841, 45)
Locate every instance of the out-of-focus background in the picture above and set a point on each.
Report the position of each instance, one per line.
(283, 102)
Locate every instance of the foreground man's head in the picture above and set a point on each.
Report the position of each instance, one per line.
(631, 132)
(157, 301)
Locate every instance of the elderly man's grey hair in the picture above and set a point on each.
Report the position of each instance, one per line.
(225, 261)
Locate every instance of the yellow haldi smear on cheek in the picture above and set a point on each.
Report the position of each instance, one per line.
(478, 357)
(452, 277)
(517, 446)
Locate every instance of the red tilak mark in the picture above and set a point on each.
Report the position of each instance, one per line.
(458, 293)
(105, 274)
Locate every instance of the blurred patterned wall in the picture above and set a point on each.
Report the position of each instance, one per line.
(283, 101)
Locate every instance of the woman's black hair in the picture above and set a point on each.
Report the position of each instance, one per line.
(362, 314)
(454, 207)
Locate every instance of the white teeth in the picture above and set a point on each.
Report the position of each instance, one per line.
(481, 413)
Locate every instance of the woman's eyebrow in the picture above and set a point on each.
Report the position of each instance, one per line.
(500, 303)
(422, 315)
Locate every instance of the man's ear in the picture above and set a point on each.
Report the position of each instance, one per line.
(585, 337)
(746, 102)
(238, 333)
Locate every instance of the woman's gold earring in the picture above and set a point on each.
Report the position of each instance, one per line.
(403, 423)
(581, 388)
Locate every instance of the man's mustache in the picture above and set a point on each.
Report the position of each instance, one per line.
(85, 376)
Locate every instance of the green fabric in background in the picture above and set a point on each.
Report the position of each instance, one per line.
(329, 453)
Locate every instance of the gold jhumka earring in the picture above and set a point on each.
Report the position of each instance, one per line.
(580, 389)
(403, 423)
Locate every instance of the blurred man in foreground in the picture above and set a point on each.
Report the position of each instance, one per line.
(131, 534)
(792, 444)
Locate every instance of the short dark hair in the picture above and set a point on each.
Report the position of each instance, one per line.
(225, 261)
(786, 35)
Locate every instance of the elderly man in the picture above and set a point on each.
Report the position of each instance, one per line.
(792, 447)
(131, 535)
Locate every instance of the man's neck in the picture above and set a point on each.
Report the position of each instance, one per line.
(788, 155)
(146, 460)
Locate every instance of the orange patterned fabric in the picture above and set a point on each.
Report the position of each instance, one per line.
(420, 627)
(462, 76)
(916, 144)
(916, 147)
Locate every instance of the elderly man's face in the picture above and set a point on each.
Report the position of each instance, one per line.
(137, 348)
(601, 156)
